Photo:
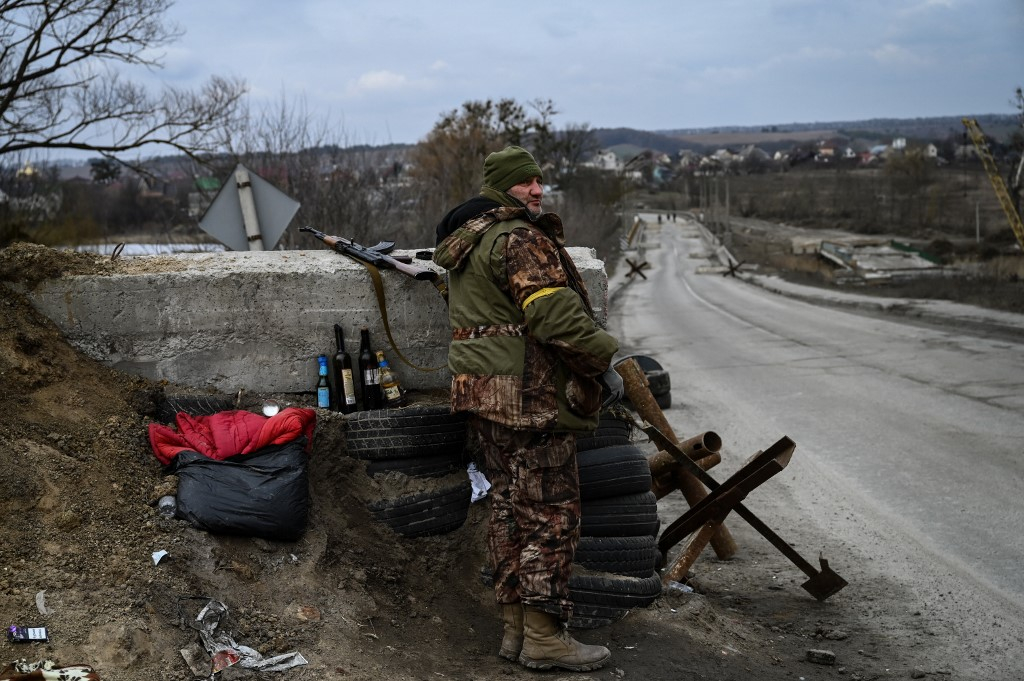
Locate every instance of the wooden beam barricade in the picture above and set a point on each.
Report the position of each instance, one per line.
(639, 393)
(701, 521)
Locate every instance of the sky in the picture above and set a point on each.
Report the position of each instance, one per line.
(385, 71)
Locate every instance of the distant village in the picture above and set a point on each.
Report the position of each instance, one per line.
(176, 189)
(751, 158)
(165, 176)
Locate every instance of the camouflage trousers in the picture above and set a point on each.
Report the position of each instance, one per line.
(535, 514)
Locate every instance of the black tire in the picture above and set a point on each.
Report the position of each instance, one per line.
(427, 417)
(628, 556)
(659, 382)
(613, 472)
(403, 446)
(630, 515)
(418, 466)
(615, 591)
(589, 442)
(610, 431)
(418, 431)
(664, 401)
(609, 425)
(425, 513)
(646, 363)
(193, 405)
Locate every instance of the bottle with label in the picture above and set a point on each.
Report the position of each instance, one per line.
(323, 389)
(368, 372)
(389, 385)
(344, 384)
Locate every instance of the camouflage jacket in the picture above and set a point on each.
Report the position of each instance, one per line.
(525, 348)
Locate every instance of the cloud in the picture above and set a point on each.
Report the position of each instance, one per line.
(377, 81)
(896, 55)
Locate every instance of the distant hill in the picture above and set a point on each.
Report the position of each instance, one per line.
(997, 126)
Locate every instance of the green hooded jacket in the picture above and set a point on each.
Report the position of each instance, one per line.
(526, 351)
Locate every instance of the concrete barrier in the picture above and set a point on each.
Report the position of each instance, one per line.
(256, 320)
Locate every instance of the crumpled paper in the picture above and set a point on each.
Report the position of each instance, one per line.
(478, 481)
(225, 652)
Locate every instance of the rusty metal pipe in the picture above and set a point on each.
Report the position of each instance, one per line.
(699, 448)
(664, 468)
(639, 392)
(678, 570)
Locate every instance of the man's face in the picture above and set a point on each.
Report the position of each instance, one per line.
(529, 192)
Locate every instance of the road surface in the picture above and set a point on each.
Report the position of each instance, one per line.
(910, 440)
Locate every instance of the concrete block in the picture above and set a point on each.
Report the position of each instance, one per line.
(256, 320)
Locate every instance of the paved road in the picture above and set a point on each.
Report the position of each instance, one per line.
(910, 440)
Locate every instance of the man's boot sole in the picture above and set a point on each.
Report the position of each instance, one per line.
(530, 663)
(511, 655)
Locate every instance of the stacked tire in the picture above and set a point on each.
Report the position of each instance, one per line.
(618, 548)
(657, 379)
(423, 441)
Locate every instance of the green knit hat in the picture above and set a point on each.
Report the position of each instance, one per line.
(506, 168)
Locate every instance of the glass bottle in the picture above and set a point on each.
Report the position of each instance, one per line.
(389, 385)
(344, 384)
(368, 372)
(323, 389)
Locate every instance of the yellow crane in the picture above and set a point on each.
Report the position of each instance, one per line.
(974, 130)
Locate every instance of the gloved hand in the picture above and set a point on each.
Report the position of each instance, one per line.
(612, 389)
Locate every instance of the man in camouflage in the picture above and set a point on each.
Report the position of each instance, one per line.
(528, 364)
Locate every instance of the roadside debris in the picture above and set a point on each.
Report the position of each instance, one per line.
(41, 604)
(821, 656)
(479, 482)
(23, 670)
(222, 649)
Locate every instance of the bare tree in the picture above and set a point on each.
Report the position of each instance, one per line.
(62, 86)
(446, 166)
(342, 188)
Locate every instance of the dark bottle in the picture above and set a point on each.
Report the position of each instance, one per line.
(323, 389)
(344, 383)
(368, 372)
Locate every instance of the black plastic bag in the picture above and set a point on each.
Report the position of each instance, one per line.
(264, 494)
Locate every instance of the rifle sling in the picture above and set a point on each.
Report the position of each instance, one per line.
(378, 287)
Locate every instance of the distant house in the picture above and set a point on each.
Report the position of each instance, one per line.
(751, 153)
(880, 151)
(826, 153)
(688, 159)
(605, 160)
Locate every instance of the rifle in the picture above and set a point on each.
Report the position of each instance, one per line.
(374, 257)
(379, 257)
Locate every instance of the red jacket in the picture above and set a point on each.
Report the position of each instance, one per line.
(228, 433)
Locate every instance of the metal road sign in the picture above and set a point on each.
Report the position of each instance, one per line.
(248, 210)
